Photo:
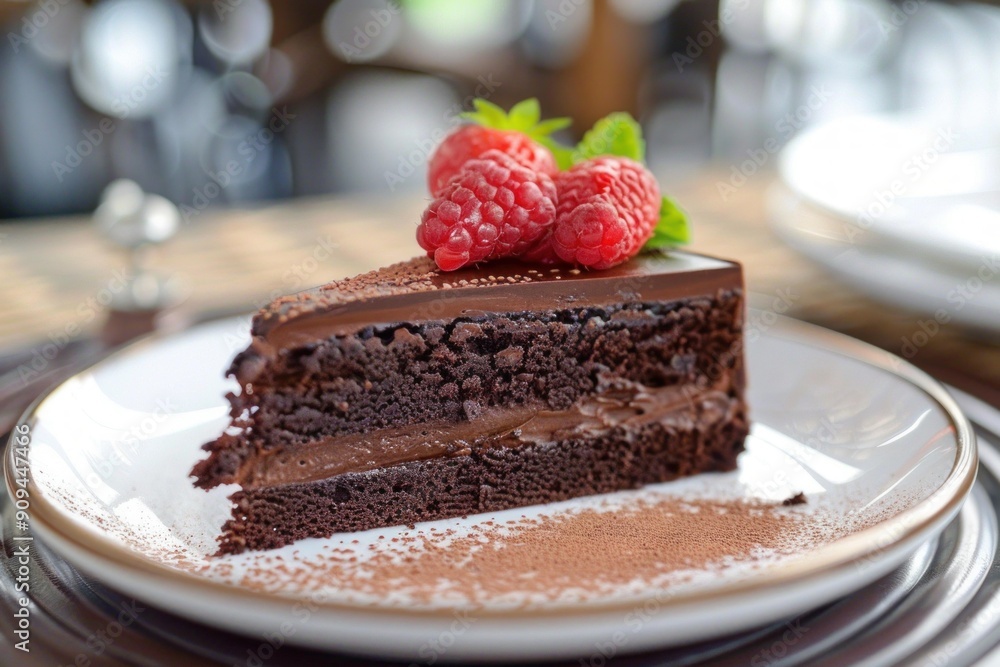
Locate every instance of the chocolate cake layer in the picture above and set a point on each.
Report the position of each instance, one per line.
(411, 373)
(486, 480)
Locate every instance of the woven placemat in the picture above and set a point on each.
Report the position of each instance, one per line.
(59, 271)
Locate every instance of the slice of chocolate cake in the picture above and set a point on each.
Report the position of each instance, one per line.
(409, 394)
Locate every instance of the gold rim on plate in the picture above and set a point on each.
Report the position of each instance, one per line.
(906, 527)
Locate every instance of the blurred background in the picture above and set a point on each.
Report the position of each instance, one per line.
(846, 151)
(313, 97)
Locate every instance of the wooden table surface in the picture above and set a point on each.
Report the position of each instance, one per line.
(58, 271)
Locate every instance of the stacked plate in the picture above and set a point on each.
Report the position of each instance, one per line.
(894, 207)
(892, 559)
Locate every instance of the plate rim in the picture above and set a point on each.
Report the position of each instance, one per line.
(789, 168)
(929, 514)
(825, 251)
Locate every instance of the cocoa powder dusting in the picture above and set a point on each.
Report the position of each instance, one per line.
(572, 555)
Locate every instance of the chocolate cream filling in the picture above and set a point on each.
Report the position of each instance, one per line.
(592, 416)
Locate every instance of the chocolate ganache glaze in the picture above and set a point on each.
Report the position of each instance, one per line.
(417, 291)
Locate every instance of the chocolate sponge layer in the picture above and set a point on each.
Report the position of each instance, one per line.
(485, 480)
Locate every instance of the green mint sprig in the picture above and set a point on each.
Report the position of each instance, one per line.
(672, 230)
(615, 134)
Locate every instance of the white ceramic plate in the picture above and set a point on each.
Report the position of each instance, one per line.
(946, 291)
(902, 184)
(882, 453)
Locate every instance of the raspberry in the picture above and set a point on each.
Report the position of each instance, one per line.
(608, 208)
(492, 208)
(471, 141)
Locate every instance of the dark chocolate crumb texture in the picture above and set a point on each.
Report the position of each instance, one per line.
(409, 394)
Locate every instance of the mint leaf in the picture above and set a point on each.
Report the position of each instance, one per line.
(673, 228)
(615, 134)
